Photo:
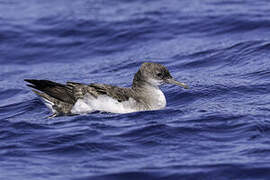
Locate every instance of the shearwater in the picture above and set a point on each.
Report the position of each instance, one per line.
(77, 98)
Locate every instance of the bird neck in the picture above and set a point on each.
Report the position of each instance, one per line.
(150, 94)
(139, 82)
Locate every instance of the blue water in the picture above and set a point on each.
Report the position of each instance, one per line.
(218, 129)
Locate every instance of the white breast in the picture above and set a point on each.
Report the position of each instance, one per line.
(156, 98)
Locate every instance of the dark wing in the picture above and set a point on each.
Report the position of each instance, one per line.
(120, 94)
(72, 91)
(58, 91)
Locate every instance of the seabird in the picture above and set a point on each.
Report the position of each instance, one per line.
(77, 98)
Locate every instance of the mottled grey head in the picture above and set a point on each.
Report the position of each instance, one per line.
(156, 74)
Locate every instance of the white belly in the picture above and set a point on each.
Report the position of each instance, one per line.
(103, 103)
(155, 99)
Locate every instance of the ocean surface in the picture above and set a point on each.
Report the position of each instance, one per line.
(217, 129)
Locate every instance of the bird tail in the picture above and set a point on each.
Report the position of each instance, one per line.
(56, 96)
(52, 89)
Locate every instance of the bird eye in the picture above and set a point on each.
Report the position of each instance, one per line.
(159, 74)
